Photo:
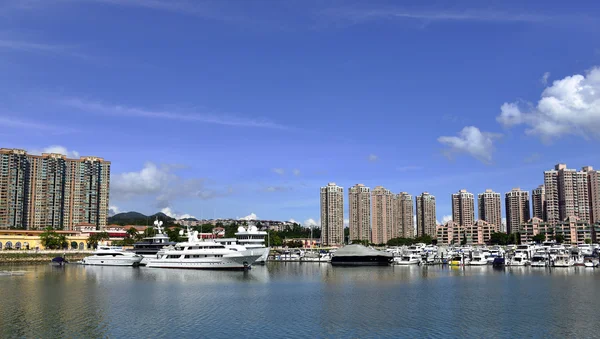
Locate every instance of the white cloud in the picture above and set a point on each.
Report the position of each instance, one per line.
(112, 210)
(569, 106)
(311, 223)
(346, 222)
(471, 141)
(172, 214)
(163, 183)
(279, 171)
(278, 188)
(251, 216)
(372, 157)
(544, 79)
(446, 218)
(292, 221)
(10, 122)
(119, 110)
(296, 172)
(57, 149)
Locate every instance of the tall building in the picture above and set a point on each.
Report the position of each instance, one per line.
(566, 194)
(489, 206)
(50, 190)
(463, 209)
(403, 215)
(538, 202)
(382, 214)
(517, 209)
(594, 193)
(14, 168)
(359, 200)
(332, 215)
(426, 218)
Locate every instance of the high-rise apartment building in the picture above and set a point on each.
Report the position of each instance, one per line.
(463, 210)
(54, 191)
(403, 215)
(359, 200)
(332, 215)
(594, 193)
(489, 206)
(538, 202)
(517, 209)
(382, 214)
(14, 169)
(566, 194)
(426, 217)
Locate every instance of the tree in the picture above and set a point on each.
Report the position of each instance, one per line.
(52, 240)
(94, 238)
(464, 240)
(173, 234)
(588, 241)
(149, 232)
(132, 233)
(539, 238)
(499, 238)
(559, 238)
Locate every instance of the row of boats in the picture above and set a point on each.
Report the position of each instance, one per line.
(544, 255)
(194, 253)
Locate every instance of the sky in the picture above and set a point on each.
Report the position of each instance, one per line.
(227, 109)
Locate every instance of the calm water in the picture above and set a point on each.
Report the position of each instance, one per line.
(299, 300)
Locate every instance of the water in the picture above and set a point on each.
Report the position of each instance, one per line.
(290, 300)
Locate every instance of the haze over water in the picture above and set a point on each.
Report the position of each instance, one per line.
(299, 300)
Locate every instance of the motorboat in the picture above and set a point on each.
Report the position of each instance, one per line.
(590, 261)
(458, 260)
(58, 261)
(112, 256)
(359, 255)
(408, 259)
(518, 259)
(540, 259)
(563, 260)
(316, 257)
(478, 259)
(150, 246)
(204, 254)
(585, 249)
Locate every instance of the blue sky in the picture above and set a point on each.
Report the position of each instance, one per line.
(227, 108)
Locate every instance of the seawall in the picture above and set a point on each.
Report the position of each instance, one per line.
(26, 257)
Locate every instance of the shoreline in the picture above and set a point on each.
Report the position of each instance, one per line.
(17, 257)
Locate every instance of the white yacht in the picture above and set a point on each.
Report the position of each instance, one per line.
(519, 259)
(478, 259)
(408, 259)
(204, 254)
(540, 259)
(112, 256)
(253, 239)
(585, 249)
(563, 260)
(149, 246)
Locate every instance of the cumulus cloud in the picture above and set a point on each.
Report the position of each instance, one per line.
(296, 172)
(278, 189)
(544, 79)
(569, 106)
(57, 149)
(169, 212)
(250, 216)
(311, 223)
(163, 183)
(292, 221)
(372, 157)
(279, 171)
(472, 141)
(112, 210)
(446, 218)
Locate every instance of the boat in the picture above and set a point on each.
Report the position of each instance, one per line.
(58, 261)
(315, 257)
(150, 246)
(408, 259)
(590, 261)
(112, 256)
(499, 262)
(359, 255)
(478, 259)
(563, 260)
(253, 239)
(519, 259)
(540, 259)
(204, 254)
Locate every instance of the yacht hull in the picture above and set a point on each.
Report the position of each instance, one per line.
(209, 263)
(360, 261)
(107, 261)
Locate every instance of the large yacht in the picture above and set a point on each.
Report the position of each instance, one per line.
(149, 247)
(204, 254)
(408, 259)
(253, 239)
(112, 256)
(359, 255)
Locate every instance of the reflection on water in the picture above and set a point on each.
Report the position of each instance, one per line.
(299, 299)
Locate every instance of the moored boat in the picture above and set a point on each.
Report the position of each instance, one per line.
(359, 255)
(408, 259)
(112, 256)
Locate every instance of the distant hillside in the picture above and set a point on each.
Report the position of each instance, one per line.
(136, 218)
